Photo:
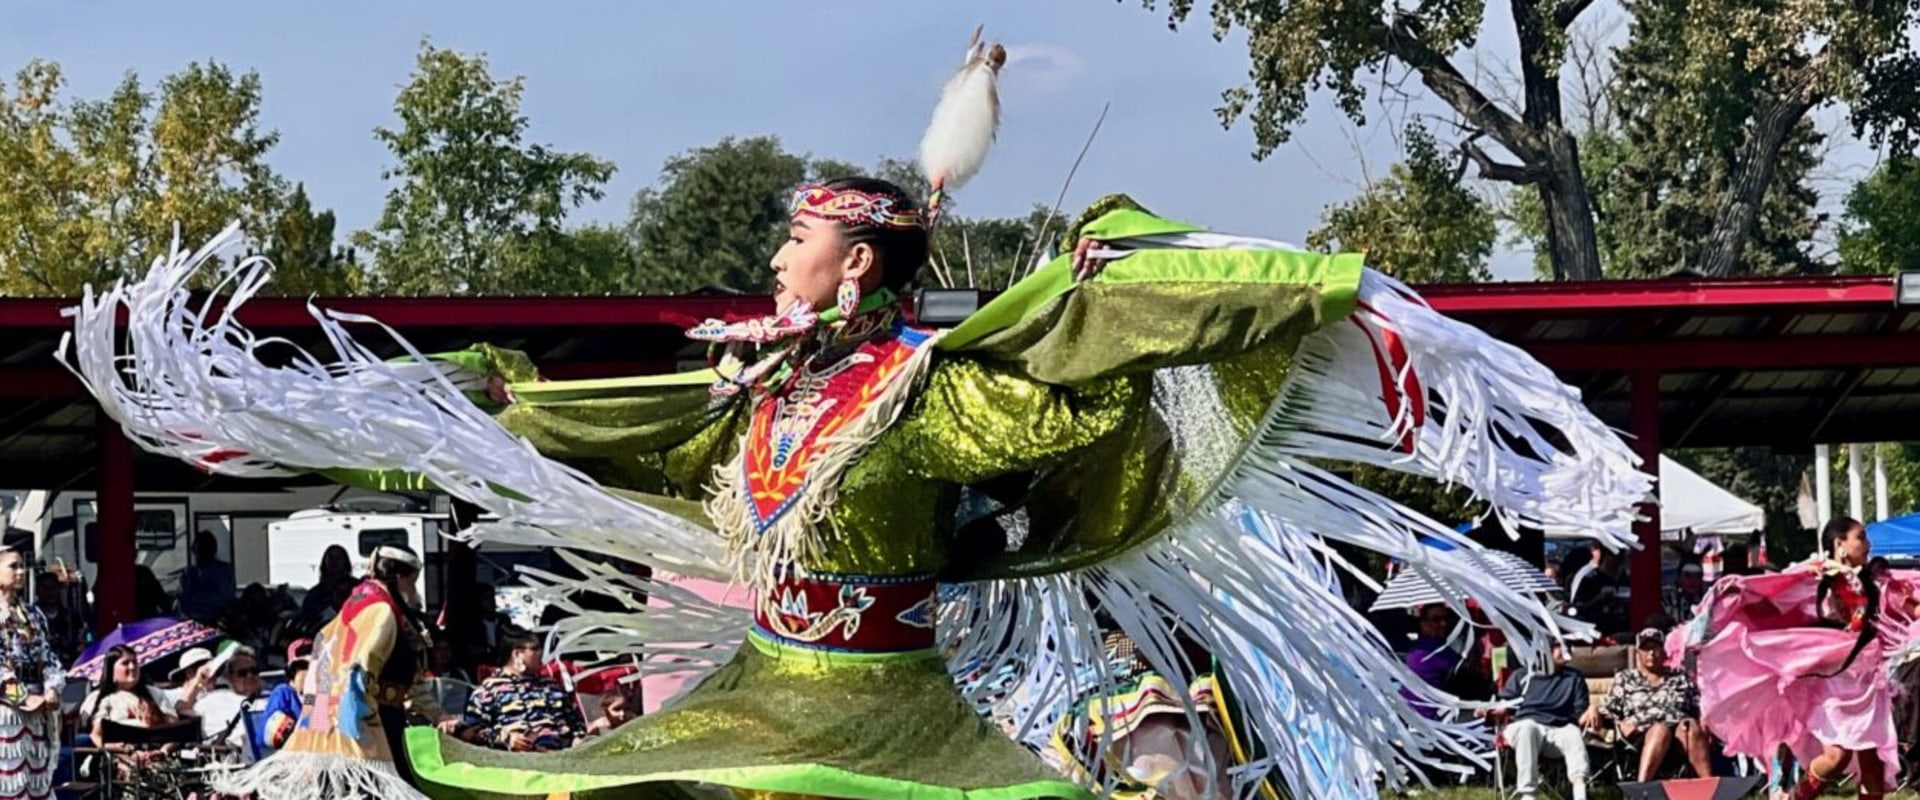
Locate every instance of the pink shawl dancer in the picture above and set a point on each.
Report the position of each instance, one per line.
(1771, 672)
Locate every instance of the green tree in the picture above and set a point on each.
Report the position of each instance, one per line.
(1880, 229)
(472, 194)
(93, 190)
(1809, 52)
(589, 259)
(1682, 166)
(716, 215)
(1658, 170)
(306, 259)
(1418, 224)
(975, 252)
(1601, 151)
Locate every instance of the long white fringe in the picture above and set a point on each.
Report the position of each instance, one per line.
(1482, 396)
(290, 775)
(191, 383)
(1316, 685)
(1249, 578)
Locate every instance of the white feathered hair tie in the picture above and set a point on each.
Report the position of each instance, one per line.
(964, 123)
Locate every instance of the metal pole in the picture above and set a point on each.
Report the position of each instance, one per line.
(1643, 415)
(1880, 500)
(1856, 495)
(1822, 488)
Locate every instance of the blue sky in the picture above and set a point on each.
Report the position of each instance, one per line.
(636, 82)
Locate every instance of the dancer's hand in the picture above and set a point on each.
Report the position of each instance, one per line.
(32, 703)
(497, 390)
(519, 742)
(1084, 266)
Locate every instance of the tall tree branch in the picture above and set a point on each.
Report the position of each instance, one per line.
(1489, 169)
(1403, 41)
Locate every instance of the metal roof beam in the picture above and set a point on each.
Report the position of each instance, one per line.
(1847, 388)
(1803, 352)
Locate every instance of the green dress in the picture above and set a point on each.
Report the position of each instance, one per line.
(792, 716)
(1161, 434)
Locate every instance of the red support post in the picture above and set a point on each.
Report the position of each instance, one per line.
(1644, 568)
(113, 584)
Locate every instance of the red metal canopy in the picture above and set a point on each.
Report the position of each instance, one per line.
(1785, 362)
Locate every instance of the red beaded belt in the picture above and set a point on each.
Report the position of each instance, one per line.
(853, 613)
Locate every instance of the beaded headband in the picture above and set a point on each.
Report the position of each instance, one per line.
(853, 207)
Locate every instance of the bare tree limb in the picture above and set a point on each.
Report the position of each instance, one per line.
(1489, 169)
(1404, 42)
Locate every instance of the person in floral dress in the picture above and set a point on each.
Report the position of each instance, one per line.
(1657, 705)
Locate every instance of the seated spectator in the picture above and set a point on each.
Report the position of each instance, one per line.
(227, 713)
(441, 663)
(325, 598)
(283, 708)
(1430, 657)
(149, 594)
(1655, 705)
(188, 681)
(1551, 702)
(1689, 587)
(519, 709)
(124, 697)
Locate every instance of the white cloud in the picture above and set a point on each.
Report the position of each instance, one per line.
(1041, 67)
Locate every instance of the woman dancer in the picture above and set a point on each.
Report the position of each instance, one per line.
(1801, 658)
(30, 681)
(1130, 403)
(358, 685)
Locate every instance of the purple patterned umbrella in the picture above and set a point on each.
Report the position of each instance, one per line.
(153, 639)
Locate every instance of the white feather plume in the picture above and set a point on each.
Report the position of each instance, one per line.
(966, 120)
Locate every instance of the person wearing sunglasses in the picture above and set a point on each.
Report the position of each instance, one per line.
(226, 714)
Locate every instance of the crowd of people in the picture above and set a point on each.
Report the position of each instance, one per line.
(232, 701)
(1783, 671)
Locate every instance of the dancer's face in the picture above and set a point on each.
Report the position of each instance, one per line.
(815, 259)
(1854, 549)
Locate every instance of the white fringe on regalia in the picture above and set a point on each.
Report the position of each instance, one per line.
(1252, 579)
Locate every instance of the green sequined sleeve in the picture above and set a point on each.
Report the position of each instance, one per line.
(653, 438)
(1049, 387)
(1156, 307)
(1083, 454)
(660, 437)
(975, 420)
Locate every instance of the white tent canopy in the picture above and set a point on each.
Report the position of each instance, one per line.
(1692, 505)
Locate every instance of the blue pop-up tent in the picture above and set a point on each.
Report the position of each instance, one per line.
(1896, 537)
